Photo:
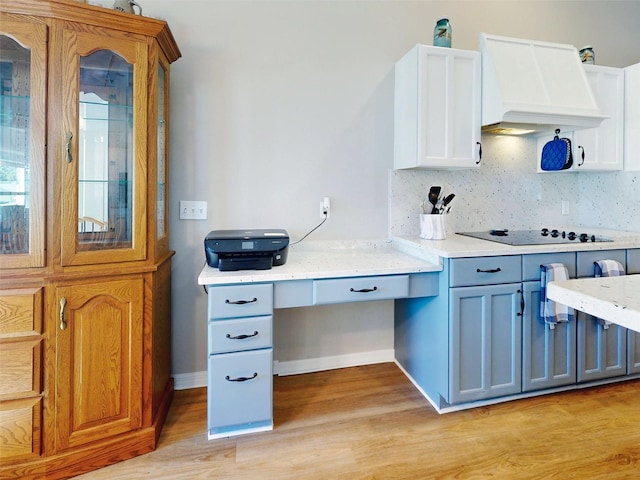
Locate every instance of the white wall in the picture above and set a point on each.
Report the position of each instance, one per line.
(278, 103)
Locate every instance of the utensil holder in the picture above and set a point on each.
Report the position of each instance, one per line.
(433, 227)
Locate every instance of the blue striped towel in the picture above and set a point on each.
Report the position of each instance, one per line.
(550, 311)
(607, 268)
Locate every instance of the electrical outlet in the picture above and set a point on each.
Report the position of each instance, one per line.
(193, 210)
(565, 207)
(325, 208)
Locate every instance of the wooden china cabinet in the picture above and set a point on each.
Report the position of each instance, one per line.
(85, 265)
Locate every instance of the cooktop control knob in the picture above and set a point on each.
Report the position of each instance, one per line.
(584, 237)
(544, 232)
(572, 235)
(555, 233)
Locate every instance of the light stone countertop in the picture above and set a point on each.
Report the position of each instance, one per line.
(456, 246)
(315, 260)
(615, 299)
(336, 259)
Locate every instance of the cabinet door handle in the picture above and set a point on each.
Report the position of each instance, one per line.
(364, 290)
(241, 379)
(581, 155)
(240, 302)
(63, 322)
(479, 152)
(243, 336)
(522, 305)
(67, 147)
(493, 270)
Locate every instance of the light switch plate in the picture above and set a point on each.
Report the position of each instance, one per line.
(193, 210)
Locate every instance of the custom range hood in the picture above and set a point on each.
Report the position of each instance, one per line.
(534, 87)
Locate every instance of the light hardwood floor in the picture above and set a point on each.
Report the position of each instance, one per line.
(370, 423)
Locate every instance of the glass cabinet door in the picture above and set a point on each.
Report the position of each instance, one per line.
(161, 206)
(22, 143)
(104, 197)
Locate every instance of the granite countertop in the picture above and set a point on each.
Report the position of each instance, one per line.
(331, 260)
(455, 246)
(335, 259)
(611, 298)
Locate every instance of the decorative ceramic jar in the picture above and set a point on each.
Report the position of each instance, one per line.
(442, 33)
(587, 55)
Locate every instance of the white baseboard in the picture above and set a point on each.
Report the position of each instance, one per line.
(184, 381)
(294, 367)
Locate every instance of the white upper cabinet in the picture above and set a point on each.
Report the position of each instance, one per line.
(632, 118)
(601, 148)
(437, 117)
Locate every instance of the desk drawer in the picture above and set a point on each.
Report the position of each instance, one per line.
(360, 289)
(240, 388)
(485, 270)
(20, 429)
(241, 300)
(240, 334)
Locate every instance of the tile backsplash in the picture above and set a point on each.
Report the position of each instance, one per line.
(507, 192)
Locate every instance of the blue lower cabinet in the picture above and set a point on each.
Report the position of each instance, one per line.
(548, 355)
(485, 342)
(602, 352)
(240, 388)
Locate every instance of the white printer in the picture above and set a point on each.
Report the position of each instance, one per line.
(246, 249)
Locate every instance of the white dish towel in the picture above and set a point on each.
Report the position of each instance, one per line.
(553, 312)
(607, 268)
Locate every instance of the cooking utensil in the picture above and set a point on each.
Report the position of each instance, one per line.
(446, 201)
(434, 196)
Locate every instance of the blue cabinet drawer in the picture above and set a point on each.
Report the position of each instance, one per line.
(531, 263)
(240, 334)
(633, 261)
(360, 289)
(239, 392)
(585, 260)
(485, 270)
(241, 300)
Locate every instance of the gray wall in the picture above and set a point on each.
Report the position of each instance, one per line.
(278, 103)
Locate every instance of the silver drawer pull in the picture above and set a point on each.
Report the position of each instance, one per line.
(243, 336)
(493, 270)
(240, 302)
(364, 290)
(241, 379)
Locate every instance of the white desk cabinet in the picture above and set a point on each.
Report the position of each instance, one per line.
(437, 118)
(240, 366)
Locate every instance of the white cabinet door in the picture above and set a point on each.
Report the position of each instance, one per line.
(632, 118)
(601, 148)
(437, 109)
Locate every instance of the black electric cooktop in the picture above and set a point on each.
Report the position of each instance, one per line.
(544, 236)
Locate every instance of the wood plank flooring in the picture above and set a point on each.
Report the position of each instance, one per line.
(370, 423)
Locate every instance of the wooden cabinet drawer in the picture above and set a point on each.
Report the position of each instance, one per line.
(485, 270)
(20, 311)
(20, 371)
(360, 289)
(531, 263)
(585, 260)
(20, 429)
(240, 334)
(239, 390)
(241, 301)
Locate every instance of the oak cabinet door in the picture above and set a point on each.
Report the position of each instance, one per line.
(98, 386)
(104, 147)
